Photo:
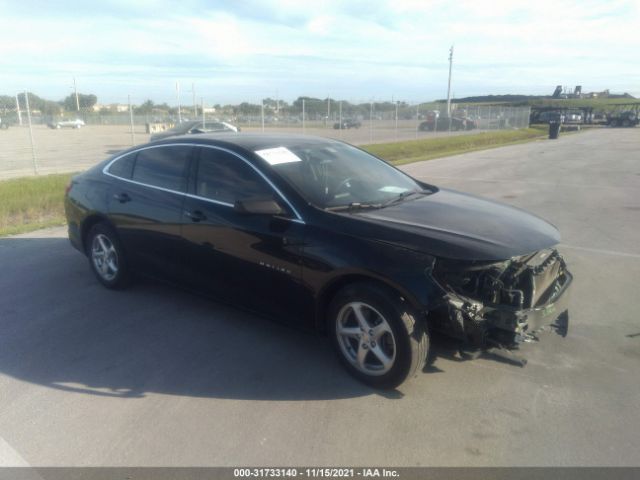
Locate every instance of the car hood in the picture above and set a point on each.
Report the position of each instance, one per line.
(456, 225)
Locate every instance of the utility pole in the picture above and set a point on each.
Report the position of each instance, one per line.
(133, 135)
(371, 122)
(75, 89)
(178, 95)
(18, 110)
(33, 147)
(195, 107)
(397, 119)
(449, 86)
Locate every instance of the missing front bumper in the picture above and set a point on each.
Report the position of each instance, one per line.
(498, 330)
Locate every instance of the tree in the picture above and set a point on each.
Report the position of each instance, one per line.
(246, 108)
(85, 102)
(7, 103)
(145, 109)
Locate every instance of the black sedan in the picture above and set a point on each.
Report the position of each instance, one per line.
(323, 235)
(347, 124)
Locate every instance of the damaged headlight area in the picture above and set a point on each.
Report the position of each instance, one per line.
(501, 304)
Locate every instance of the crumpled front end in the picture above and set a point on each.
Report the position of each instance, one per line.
(499, 305)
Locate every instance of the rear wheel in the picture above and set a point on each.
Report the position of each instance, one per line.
(376, 335)
(106, 257)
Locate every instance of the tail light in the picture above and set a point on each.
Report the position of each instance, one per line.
(67, 189)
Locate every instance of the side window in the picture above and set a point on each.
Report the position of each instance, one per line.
(162, 167)
(123, 167)
(225, 178)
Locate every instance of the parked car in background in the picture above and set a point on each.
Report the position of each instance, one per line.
(195, 127)
(347, 124)
(573, 116)
(599, 117)
(548, 116)
(627, 118)
(441, 124)
(76, 123)
(323, 235)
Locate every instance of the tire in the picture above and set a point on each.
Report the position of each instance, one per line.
(106, 257)
(394, 335)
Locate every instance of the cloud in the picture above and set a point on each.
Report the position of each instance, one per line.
(356, 48)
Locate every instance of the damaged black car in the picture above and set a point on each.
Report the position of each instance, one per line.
(323, 235)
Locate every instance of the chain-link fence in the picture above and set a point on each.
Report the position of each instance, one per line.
(38, 137)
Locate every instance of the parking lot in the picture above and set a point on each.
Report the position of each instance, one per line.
(155, 376)
(71, 150)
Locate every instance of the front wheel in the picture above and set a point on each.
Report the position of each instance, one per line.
(376, 335)
(106, 257)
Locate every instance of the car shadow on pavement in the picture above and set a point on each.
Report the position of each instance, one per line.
(62, 329)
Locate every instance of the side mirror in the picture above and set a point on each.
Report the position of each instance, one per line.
(258, 206)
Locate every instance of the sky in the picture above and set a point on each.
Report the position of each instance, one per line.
(377, 50)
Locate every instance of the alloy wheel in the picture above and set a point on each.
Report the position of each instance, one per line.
(365, 338)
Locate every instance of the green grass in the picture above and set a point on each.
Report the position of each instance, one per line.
(410, 151)
(31, 203)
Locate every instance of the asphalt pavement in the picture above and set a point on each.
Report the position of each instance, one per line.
(154, 376)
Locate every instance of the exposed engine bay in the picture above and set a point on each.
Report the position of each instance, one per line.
(502, 304)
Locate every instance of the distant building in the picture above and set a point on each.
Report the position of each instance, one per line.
(112, 107)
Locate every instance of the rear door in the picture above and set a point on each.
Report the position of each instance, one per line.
(253, 260)
(145, 205)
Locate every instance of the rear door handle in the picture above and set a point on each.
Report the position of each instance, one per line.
(196, 215)
(122, 197)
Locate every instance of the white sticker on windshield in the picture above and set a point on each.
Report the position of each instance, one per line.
(278, 155)
(392, 189)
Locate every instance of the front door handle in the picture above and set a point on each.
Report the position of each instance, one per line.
(122, 197)
(196, 215)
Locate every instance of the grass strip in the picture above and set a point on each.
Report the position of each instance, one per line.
(31, 203)
(410, 151)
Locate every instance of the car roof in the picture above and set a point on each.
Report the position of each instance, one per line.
(253, 141)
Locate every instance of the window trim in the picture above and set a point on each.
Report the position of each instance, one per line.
(105, 171)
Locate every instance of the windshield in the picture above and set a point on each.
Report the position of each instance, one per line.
(336, 175)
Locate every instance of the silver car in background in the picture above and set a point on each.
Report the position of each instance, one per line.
(194, 127)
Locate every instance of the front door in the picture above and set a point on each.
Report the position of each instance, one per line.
(249, 259)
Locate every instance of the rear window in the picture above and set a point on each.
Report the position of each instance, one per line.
(162, 167)
(123, 167)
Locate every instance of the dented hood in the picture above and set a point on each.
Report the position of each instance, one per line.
(460, 226)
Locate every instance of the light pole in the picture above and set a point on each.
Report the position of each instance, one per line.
(449, 86)
(75, 89)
